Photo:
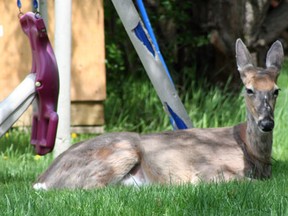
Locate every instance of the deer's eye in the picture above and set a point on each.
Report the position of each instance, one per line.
(249, 91)
(276, 92)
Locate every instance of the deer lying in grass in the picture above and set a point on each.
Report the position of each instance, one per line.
(181, 156)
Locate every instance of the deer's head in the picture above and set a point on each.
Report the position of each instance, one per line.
(261, 90)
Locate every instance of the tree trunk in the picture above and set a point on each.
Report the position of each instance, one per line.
(256, 22)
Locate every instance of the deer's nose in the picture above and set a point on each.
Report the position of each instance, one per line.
(266, 124)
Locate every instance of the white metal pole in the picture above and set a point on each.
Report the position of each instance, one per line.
(43, 11)
(63, 56)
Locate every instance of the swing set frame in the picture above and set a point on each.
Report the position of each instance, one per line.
(41, 85)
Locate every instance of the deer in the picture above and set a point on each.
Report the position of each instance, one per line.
(182, 156)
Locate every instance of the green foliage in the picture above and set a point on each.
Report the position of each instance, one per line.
(178, 36)
(281, 115)
(114, 58)
(136, 106)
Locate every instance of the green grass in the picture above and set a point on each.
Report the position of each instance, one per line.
(135, 107)
(246, 198)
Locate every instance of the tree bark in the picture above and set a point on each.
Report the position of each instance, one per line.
(274, 24)
(256, 22)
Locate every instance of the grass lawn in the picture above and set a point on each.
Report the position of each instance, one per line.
(136, 108)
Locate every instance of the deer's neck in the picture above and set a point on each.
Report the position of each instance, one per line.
(258, 148)
(260, 143)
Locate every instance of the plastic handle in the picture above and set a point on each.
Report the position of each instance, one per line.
(45, 117)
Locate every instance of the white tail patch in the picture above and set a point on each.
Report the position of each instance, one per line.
(40, 186)
(133, 181)
(136, 178)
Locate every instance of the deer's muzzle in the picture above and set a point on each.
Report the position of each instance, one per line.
(266, 124)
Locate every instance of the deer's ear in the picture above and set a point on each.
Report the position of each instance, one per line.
(275, 56)
(243, 58)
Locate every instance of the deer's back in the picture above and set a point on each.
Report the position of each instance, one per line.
(192, 155)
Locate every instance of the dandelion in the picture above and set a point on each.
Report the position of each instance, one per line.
(74, 135)
(37, 157)
(6, 134)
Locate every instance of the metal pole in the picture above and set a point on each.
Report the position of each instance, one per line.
(43, 11)
(63, 56)
(152, 63)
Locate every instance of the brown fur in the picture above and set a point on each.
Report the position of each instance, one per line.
(175, 157)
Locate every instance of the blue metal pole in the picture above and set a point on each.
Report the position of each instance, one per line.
(148, 26)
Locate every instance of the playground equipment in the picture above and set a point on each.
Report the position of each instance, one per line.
(40, 86)
(144, 41)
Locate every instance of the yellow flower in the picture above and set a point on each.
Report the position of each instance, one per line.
(7, 135)
(37, 157)
(5, 157)
(74, 135)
